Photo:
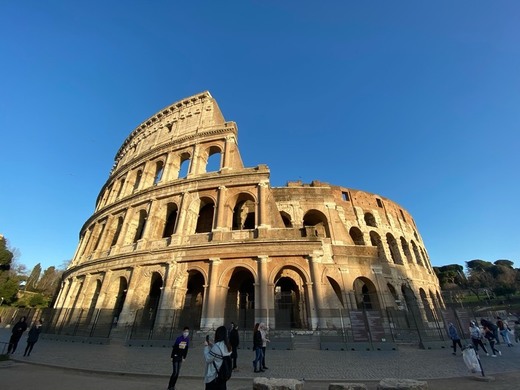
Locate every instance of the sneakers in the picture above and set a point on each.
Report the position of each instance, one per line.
(499, 353)
(493, 355)
(487, 354)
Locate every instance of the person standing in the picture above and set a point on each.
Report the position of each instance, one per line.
(503, 328)
(34, 334)
(476, 337)
(488, 324)
(488, 334)
(214, 356)
(454, 335)
(234, 340)
(16, 334)
(179, 353)
(265, 340)
(257, 347)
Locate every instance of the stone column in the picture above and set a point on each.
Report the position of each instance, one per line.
(221, 205)
(262, 205)
(214, 314)
(226, 161)
(103, 301)
(317, 290)
(262, 298)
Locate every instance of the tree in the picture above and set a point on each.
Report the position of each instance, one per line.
(6, 256)
(49, 281)
(32, 281)
(450, 276)
(9, 284)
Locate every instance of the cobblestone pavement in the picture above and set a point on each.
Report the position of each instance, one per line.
(318, 368)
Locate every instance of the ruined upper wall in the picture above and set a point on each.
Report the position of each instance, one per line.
(180, 120)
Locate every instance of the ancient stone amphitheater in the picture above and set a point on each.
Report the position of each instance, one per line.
(183, 233)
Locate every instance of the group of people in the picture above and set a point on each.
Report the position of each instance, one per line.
(225, 344)
(16, 334)
(489, 332)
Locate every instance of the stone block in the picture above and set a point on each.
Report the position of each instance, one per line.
(402, 384)
(262, 383)
(347, 386)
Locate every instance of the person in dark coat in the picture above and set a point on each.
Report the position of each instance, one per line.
(491, 326)
(234, 340)
(34, 334)
(179, 353)
(16, 334)
(257, 347)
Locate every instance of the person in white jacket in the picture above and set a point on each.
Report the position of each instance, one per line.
(213, 355)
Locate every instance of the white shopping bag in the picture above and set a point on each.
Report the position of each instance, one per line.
(471, 360)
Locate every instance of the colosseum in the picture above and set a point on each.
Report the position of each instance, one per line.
(183, 234)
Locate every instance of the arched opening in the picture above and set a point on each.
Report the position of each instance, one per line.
(337, 290)
(394, 249)
(427, 306)
(159, 168)
(241, 299)
(184, 166)
(205, 219)
(375, 240)
(191, 312)
(138, 177)
(416, 253)
(366, 294)
(393, 294)
(370, 220)
(406, 250)
(287, 299)
(120, 299)
(93, 302)
(117, 233)
(318, 222)
(244, 213)
(121, 184)
(143, 216)
(152, 301)
(356, 235)
(214, 159)
(286, 218)
(171, 220)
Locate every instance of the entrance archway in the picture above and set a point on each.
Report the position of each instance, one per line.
(191, 311)
(290, 309)
(240, 301)
(366, 294)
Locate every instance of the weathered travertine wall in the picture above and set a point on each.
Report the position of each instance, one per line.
(182, 224)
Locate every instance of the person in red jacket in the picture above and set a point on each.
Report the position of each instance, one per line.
(179, 353)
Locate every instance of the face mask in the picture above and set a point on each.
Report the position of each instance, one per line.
(185, 334)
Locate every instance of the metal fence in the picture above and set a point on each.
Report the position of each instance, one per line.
(339, 327)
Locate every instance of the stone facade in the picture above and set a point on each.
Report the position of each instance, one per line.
(182, 224)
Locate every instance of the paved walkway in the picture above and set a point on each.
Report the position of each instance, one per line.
(318, 368)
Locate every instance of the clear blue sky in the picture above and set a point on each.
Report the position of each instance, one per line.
(415, 101)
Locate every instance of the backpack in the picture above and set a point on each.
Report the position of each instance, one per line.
(226, 368)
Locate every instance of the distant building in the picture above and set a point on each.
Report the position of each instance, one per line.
(183, 233)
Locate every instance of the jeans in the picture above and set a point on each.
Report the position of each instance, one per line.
(259, 355)
(175, 374)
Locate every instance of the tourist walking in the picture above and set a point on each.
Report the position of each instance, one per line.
(476, 337)
(503, 328)
(234, 340)
(32, 338)
(488, 334)
(257, 347)
(16, 334)
(454, 335)
(214, 354)
(179, 353)
(488, 324)
(265, 340)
